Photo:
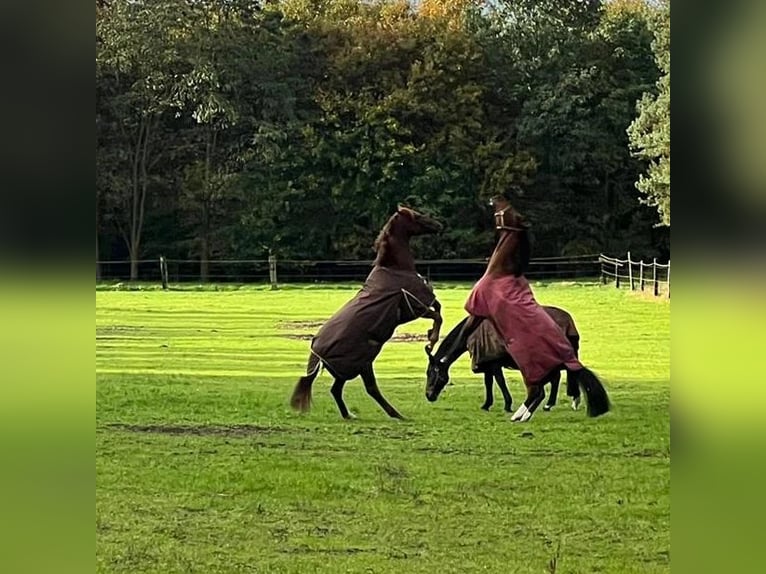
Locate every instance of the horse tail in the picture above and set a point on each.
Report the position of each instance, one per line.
(595, 393)
(301, 399)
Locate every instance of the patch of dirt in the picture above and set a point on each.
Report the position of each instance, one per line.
(403, 338)
(410, 337)
(300, 337)
(198, 430)
(112, 330)
(300, 324)
(314, 326)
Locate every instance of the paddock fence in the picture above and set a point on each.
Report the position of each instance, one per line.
(276, 271)
(637, 275)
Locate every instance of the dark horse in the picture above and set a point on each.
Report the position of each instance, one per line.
(489, 356)
(531, 337)
(393, 294)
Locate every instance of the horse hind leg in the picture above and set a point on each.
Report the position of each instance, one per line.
(535, 396)
(337, 393)
(301, 398)
(554, 379)
(573, 389)
(371, 386)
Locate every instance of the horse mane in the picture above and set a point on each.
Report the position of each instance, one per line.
(382, 239)
(446, 345)
(383, 235)
(524, 252)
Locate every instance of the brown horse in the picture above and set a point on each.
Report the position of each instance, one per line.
(531, 337)
(489, 356)
(393, 294)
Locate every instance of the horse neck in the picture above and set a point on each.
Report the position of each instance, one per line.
(395, 253)
(451, 347)
(505, 257)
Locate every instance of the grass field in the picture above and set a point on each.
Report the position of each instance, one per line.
(201, 466)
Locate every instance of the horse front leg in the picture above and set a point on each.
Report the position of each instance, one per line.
(434, 313)
(488, 398)
(507, 398)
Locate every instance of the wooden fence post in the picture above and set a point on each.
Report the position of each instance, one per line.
(654, 277)
(630, 271)
(668, 278)
(641, 274)
(164, 272)
(603, 274)
(616, 274)
(272, 270)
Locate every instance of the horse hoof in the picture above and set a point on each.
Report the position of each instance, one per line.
(485, 407)
(526, 416)
(519, 414)
(547, 407)
(575, 403)
(350, 417)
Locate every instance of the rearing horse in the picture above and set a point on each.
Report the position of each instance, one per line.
(393, 294)
(530, 335)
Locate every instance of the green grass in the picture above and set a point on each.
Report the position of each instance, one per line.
(201, 466)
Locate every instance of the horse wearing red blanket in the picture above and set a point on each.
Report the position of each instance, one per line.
(531, 337)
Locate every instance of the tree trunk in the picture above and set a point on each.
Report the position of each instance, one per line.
(140, 185)
(98, 258)
(204, 254)
(207, 199)
(98, 264)
(134, 264)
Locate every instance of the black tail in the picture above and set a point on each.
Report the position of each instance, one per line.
(595, 393)
(301, 399)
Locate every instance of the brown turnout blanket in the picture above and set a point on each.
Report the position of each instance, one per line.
(355, 334)
(485, 344)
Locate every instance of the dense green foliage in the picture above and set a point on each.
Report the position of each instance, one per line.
(226, 128)
(650, 132)
(201, 466)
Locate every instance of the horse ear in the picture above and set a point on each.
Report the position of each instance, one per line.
(404, 210)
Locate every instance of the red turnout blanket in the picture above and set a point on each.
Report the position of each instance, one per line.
(534, 340)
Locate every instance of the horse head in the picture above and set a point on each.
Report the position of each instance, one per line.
(437, 376)
(415, 223)
(506, 217)
(512, 251)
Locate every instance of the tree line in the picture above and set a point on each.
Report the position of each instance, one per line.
(226, 128)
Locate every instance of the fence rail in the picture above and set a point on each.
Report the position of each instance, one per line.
(275, 270)
(637, 274)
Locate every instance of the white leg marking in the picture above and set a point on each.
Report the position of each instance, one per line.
(576, 403)
(526, 416)
(520, 413)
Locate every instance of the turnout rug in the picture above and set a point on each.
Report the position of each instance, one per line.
(530, 336)
(355, 334)
(485, 344)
